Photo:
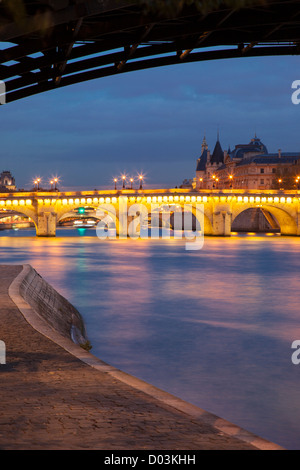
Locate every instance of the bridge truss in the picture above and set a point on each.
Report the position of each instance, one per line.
(47, 44)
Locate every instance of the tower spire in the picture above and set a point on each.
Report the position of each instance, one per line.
(204, 144)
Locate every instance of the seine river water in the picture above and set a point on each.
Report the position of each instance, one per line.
(214, 327)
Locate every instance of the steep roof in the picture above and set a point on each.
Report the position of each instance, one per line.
(218, 154)
(202, 161)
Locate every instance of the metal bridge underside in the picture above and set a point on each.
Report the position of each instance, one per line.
(54, 43)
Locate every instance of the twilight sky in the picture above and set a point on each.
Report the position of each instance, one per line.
(151, 121)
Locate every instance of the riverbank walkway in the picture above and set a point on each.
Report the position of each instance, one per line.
(51, 399)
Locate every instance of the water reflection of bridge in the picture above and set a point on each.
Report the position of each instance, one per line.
(216, 210)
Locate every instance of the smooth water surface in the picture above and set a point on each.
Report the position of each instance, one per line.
(214, 326)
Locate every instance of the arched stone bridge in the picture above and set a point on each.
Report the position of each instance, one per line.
(218, 209)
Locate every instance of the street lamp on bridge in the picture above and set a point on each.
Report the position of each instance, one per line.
(141, 178)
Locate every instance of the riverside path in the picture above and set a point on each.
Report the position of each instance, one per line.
(51, 399)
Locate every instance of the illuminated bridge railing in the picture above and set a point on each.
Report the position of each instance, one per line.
(21, 199)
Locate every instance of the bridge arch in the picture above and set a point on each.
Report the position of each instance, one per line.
(101, 211)
(286, 220)
(26, 211)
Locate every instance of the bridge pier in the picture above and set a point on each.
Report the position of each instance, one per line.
(298, 222)
(46, 224)
(222, 224)
(222, 219)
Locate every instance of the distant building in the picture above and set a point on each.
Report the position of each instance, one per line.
(7, 181)
(248, 166)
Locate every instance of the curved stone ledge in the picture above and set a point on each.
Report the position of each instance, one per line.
(58, 312)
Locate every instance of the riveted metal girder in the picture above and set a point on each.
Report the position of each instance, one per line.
(54, 43)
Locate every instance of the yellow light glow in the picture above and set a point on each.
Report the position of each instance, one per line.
(165, 198)
(270, 199)
(182, 198)
(15, 202)
(176, 198)
(193, 199)
(251, 199)
(95, 200)
(263, 199)
(2, 203)
(198, 198)
(257, 199)
(154, 199)
(8, 203)
(204, 198)
(240, 199)
(276, 199)
(83, 201)
(71, 202)
(246, 199)
(171, 199)
(114, 200)
(289, 200)
(282, 200)
(107, 200)
(22, 202)
(77, 201)
(89, 200)
(102, 200)
(47, 202)
(159, 199)
(65, 202)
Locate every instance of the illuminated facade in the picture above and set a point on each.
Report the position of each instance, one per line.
(7, 181)
(248, 166)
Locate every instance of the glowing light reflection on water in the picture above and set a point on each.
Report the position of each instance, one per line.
(214, 327)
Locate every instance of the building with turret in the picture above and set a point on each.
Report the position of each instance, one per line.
(248, 166)
(7, 181)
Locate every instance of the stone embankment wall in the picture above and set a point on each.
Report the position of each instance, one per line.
(53, 308)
